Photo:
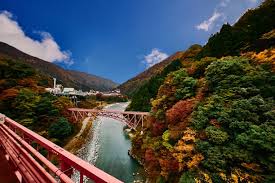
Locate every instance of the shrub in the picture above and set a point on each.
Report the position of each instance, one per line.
(201, 65)
(216, 135)
(186, 88)
(187, 177)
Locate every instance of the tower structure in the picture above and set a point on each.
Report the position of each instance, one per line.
(54, 83)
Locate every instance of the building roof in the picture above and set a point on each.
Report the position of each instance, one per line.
(68, 89)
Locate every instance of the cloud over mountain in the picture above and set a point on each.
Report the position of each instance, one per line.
(224, 11)
(46, 48)
(154, 57)
(207, 24)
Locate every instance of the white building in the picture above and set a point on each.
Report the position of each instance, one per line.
(69, 91)
(116, 91)
(57, 88)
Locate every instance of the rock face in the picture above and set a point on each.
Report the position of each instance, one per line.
(68, 78)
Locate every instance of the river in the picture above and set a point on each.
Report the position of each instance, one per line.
(107, 148)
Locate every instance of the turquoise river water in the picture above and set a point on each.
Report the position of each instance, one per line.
(107, 148)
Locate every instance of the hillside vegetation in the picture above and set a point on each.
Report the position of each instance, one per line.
(142, 96)
(254, 31)
(68, 78)
(213, 118)
(132, 85)
(23, 98)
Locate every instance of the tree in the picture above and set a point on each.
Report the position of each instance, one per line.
(141, 100)
(25, 103)
(237, 119)
(180, 111)
(61, 129)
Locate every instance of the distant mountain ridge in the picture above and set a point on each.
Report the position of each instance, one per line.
(133, 84)
(254, 31)
(68, 78)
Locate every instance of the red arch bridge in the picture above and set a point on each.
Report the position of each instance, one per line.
(130, 118)
(29, 157)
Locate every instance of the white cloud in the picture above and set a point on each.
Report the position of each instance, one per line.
(227, 11)
(154, 57)
(224, 3)
(46, 48)
(208, 24)
(253, 1)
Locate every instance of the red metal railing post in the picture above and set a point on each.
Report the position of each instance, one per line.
(65, 167)
(81, 177)
(49, 155)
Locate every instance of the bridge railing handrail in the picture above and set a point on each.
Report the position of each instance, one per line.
(27, 151)
(83, 167)
(109, 111)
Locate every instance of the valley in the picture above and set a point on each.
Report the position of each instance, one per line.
(203, 114)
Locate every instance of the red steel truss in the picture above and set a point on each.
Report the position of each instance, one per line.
(23, 146)
(130, 118)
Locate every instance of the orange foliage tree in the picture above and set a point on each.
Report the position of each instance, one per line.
(180, 111)
(9, 93)
(265, 57)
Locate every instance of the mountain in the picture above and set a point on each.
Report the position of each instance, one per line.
(92, 81)
(254, 31)
(212, 115)
(68, 78)
(24, 99)
(141, 97)
(133, 84)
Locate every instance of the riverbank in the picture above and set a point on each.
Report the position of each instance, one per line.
(79, 138)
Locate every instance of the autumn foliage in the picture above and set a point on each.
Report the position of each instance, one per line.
(212, 119)
(216, 131)
(180, 111)
(158, 128)
(9, 93)
(265, 57)
(23, 98)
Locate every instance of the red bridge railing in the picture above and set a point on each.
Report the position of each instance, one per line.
(22, 148)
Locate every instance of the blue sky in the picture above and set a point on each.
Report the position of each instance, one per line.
(115, 39)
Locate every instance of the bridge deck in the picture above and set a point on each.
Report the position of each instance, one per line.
(108, 111)
(6, 173)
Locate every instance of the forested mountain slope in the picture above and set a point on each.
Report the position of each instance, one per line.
(130, 86)
(141, 96)
(249, 33)
(24, 99)
(76, 79)
(259, 46)
(213, 118)
(254, 31)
